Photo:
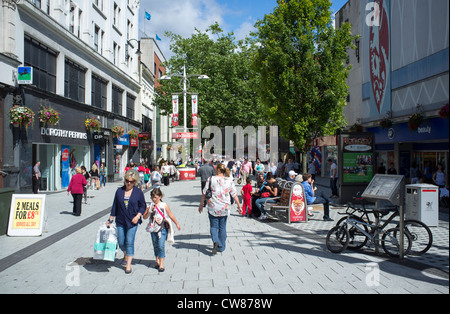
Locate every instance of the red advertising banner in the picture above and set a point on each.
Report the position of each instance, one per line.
(297, 206)
(185, 135)
(194, 110)
(134, 142)
(175, 110)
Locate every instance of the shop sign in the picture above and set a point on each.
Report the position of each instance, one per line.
(63, 133)
(123, 140)
(26, 215)
(134, 142)
(184, 135)
(99, 137)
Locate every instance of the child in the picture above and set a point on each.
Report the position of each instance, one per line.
(247, 192)
(159, 212)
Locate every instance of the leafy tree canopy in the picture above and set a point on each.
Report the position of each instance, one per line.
(229, 97)
(302, 62)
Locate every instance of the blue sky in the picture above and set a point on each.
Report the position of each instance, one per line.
(183, 16)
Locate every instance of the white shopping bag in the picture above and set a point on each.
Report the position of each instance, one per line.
(106, 243)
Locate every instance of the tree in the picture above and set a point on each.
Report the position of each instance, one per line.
(229, 97)
(302, 63)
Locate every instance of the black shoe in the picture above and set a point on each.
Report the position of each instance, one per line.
(325, 218)
(214, 250)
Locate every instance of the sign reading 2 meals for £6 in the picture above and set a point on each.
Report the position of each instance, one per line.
(26, 215)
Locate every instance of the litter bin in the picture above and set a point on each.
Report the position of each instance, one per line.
(5, 204)
(187, 173)
(422, 203)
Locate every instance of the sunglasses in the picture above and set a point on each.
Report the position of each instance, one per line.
(130, 182)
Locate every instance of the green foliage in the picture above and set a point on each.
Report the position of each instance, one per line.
(302, 65)
(229, 97)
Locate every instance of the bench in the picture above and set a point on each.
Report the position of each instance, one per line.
(283, 201)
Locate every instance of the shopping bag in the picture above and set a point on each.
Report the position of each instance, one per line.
(106, 243)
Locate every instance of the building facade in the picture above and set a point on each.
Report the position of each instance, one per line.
(85, 66)
(400, 71)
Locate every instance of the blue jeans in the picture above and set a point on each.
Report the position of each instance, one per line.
(260, 204)
(218, 229)
(126, 237)
(159, 244)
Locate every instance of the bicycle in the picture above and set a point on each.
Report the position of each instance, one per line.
(419, 232)
(338, 237)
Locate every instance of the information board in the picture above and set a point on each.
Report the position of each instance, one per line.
(26, 215)
(385, 187)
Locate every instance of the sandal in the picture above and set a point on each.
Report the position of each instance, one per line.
(128, 271)
(161, 269)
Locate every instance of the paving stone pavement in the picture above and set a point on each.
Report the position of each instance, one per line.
(268, 257)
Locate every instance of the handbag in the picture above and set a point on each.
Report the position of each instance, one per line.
(208, 193)
(154, 225)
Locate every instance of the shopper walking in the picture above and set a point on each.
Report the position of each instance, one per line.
(36, 177)
(159, 226)
(128, 208)
(246, 170)
(76, 185)
(222, 188)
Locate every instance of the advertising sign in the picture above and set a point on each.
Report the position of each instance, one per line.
(65, 164)
(357, 158)
(194, 110)
(175, 110)
(297, 205)
(26, 215)
(25, 75)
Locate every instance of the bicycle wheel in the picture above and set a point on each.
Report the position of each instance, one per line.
(420, 234)
(337, 239)
(390, 242)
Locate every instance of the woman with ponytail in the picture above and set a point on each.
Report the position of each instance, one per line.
(223, 189)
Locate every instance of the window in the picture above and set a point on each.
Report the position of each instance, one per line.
(74, 81)
(130, 106)
(43, 61)
(99, 98)
(96, 38)
(117, 100)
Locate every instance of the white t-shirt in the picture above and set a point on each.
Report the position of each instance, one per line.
(332, 169)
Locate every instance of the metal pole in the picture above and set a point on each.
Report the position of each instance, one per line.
(402, 231)
(185, 149)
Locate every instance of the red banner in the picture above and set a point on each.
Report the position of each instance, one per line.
(194, 110)
(175, 110)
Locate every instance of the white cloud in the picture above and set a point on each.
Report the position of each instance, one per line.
(178, 16)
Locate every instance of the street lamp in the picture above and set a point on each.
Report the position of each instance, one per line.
(186, 85)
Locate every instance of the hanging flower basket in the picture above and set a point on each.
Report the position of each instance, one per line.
(414, 121)
(386, 123)
(443, 113)
(93, 124)
(118, 130)
(21, 116)
(49, 116)
(133, 134)
(356, 128)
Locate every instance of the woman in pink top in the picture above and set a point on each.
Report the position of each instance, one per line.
(76, 185)
(246, 169)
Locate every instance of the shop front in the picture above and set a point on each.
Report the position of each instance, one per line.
(425, 146)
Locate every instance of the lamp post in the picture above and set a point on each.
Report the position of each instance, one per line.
(186, 85)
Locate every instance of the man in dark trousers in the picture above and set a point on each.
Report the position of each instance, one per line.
(206, 171)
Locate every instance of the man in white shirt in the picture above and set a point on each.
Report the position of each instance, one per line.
(333, 177)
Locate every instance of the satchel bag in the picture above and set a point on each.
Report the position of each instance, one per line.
(155, 225)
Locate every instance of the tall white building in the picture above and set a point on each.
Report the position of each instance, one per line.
(85, 61)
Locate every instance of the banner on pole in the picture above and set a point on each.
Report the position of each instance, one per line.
(175, 110)
(194, 110)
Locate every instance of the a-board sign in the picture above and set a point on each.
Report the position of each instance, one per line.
(26, 215)
(297, 204)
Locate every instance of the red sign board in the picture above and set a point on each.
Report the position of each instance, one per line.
(185, 135)
(134, 142)
(297, 205)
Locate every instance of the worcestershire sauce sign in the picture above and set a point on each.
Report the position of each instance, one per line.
(26, 215)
